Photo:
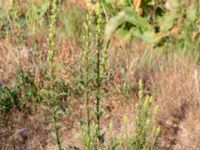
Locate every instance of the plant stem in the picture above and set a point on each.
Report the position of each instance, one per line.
(87, 73)
(99, 44)
(57, 132)
(88, 109)
(87, 97)
(98, 80)
(52, 49)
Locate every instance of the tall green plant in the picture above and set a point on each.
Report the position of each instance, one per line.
(87, 75)
(50, 93)
(99, 70)
(94, 140)
(146, 133)
(52, 32)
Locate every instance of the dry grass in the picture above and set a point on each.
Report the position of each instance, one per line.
(177, 95)
(34, 135)
(11, 59)
(174, 84)
(172, 80)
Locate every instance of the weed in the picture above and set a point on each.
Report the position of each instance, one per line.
(94, 139)
(87, 80)
(52, 32)
(51, 95)
(98, 66)
(149, 22)
(8, 99)
(145, 134)
(164, 30)
(35, 14)
(20, 96)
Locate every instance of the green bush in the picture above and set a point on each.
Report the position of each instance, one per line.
(167, 29)
(8, 99)
(20, 95)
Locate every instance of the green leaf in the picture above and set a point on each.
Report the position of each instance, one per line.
(108, 7)
(36, 12)
(192, 12)
(149, 37)
(113, 24)
(32, 14)
(126, 35)
(167, 21)
(44, 8)
(128, 2)
(135, 19)
(127, 16)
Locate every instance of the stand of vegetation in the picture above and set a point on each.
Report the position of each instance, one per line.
(95, 75)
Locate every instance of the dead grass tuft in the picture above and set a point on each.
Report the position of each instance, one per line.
(177, 95)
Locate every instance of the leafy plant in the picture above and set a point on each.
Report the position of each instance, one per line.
(52, 95)
(94, 73)
(87, 77)
(35, 14)
(164, 28)
(130, 24)
(8, 99)
(146, 133)
(53, 106)
(20, 95)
